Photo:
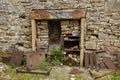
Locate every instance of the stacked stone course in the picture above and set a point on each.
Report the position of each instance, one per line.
(102, 25)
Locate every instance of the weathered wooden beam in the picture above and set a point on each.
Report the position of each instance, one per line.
(43, 14)
(62, 42)
(87, 60)
(82, 42)
(91, 60)
(33, 23)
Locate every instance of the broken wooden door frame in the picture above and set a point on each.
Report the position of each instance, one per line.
(82, 41)
(34, 34)
(46, 14)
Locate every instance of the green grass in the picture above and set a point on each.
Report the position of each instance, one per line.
(78, 77)
(21, 76)
(116, 75)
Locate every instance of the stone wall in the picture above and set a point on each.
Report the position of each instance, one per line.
(102, 26)
(42, 35)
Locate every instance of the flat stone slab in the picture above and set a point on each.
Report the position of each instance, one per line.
(16, 58)
(35, 59)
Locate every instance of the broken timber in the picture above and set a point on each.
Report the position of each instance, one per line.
(86, 60)
(109, 63)
(91, 60)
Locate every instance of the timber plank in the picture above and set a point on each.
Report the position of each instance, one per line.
(87, 61)
(109, 63)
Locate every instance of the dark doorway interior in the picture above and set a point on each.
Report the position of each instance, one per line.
(54, 32)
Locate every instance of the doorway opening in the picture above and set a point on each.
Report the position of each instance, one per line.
(54, 27)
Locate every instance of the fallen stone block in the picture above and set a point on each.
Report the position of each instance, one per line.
(35, 59)
(16, 58)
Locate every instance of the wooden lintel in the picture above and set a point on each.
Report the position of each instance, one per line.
(47, 14)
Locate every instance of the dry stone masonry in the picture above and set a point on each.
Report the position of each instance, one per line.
(42, 33)
(102, 23)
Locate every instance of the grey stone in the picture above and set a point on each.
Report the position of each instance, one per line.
(93, 27)
(102, 36)
(91, 45)
(101, 24)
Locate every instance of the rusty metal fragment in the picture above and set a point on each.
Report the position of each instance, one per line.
(16, 58)
(109, 63)
(35, 59)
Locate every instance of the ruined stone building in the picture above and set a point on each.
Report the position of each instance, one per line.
(37, 24)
